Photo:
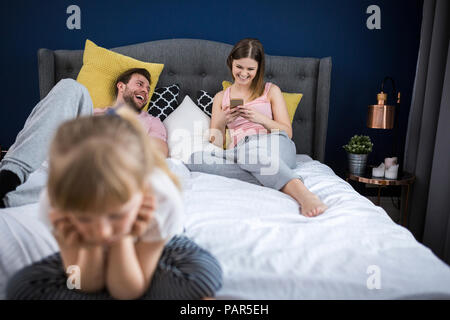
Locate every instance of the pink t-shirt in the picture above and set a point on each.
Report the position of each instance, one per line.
(242, 127)
(152, 125)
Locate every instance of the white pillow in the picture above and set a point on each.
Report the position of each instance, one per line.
(187, 130)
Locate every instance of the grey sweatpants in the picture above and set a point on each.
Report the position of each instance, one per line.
(266, 159)
(67, 100)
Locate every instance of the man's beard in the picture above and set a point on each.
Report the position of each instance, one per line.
(129, 100)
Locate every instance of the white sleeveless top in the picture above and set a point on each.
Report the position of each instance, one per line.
(168, 216)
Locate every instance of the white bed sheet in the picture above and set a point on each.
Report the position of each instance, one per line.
(266, 248)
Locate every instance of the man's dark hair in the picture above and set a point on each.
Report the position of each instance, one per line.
(125, 77)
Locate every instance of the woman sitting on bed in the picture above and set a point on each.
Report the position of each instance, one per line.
(117, 215)
(260, 131)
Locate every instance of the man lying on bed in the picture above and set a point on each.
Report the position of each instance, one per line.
(67, 100)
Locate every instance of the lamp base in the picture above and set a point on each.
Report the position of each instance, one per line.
(380, 116)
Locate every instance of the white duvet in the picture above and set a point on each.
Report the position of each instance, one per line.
(267, 249)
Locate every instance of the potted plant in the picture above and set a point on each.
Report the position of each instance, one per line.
(358, 148)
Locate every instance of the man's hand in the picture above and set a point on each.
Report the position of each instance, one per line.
(145, 215)
(162, 146)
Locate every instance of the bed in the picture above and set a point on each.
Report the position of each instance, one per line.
(267, 250)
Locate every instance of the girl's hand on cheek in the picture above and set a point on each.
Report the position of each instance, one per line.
(64, 231)
(144, 215)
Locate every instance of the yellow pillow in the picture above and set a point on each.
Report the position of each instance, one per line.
(227, 138)
(292, 99)
(102, 67)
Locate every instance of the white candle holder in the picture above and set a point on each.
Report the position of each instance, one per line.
(378, 172)
(389, 162)
(391, 172)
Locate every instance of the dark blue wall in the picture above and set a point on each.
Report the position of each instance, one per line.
(316, 28)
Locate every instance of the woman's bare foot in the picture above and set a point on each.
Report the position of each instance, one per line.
(311, 206)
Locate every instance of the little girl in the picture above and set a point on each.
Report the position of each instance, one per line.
(116, 213)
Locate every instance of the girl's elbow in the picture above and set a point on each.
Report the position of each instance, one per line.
(127, 294)
(130, 289)
(91, 286)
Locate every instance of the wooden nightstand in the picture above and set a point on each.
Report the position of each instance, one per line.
(405, 180)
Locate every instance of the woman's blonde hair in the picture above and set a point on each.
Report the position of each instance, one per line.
(98, 162)
(250, 48)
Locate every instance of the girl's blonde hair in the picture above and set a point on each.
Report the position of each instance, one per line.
(97, 163)
(250, 48)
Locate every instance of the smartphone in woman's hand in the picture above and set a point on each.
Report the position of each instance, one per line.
(236, 102)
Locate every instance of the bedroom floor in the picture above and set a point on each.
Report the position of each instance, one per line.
(387, 204)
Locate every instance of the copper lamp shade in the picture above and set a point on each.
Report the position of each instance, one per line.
(381, 116)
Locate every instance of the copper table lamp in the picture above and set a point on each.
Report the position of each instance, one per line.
(381, 115)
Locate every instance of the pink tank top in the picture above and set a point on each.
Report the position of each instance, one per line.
(241, 127)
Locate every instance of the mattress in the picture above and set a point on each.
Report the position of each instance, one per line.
(268, 250)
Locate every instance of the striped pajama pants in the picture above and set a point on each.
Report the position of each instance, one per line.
(184, 271)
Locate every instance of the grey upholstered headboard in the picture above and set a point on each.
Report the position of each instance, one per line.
(201, 64)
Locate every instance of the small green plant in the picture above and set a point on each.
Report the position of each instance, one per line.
(359, 144)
